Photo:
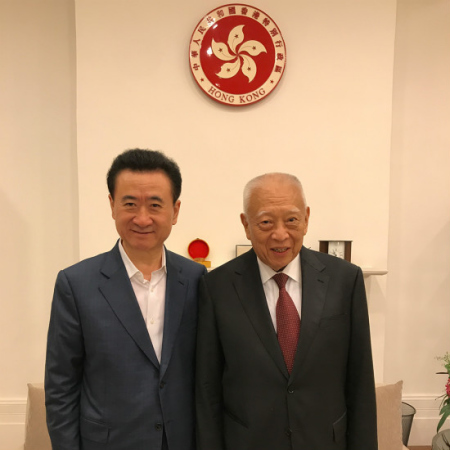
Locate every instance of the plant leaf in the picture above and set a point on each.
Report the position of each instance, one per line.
(443, 419)
(445, 409)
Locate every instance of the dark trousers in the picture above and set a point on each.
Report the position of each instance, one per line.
(165, 446)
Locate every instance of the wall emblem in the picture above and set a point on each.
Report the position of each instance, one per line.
(237, 54)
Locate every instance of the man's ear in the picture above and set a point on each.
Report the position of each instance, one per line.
(176, 210)
(307, 219)
(111, 203)
(246, 225)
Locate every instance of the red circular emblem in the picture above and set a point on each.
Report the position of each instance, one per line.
(237, 54)
(198, 249)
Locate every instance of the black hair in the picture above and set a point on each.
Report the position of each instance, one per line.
(138, 160)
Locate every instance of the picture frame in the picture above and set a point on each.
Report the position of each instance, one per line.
(340, 248)
(241, 249)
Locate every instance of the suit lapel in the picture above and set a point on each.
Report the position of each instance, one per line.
(314, 289)
(251, 294)
(119, 293)
(176, 289)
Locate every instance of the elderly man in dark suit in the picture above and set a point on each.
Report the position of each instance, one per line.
(121, 341)
(283, 347)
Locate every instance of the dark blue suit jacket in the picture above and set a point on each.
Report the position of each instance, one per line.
(105, 388)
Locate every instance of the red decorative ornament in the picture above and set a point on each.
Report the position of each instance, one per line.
(198, 250)
(237, 54)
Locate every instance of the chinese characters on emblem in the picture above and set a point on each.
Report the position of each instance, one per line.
(237, 57)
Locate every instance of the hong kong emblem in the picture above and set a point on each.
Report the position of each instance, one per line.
(237, 54)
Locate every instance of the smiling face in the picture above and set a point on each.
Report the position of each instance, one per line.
(144, 212)
(276, 220)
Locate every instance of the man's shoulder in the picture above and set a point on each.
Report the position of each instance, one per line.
(328, 262)
(92, 263)
(239, 265)
(188, 266)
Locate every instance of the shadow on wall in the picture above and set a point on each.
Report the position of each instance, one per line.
(18, 293)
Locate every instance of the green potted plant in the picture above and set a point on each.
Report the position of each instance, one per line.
(445, 404)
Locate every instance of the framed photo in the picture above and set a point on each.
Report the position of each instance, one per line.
(241, 249)
(341, 249)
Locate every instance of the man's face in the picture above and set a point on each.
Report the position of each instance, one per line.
(144, 211)
(276, 222)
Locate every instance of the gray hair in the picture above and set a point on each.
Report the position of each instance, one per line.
(259, 181)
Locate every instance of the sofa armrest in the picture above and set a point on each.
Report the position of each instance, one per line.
(389, 416)
(36, 433)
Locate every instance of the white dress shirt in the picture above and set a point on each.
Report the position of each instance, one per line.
(151, 296)
(293, 286)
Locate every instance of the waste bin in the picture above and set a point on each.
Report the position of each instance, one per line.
(441, 441)
(408, 412)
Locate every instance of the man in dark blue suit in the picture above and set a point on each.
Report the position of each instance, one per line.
(120, 354)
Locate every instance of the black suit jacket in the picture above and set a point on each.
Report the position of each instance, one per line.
(104, 386)
(245, 397)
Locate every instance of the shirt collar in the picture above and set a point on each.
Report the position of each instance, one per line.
(292, 270)
(131, 268)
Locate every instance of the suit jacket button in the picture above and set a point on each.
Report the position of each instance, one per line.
(291, 391)
(158, 426)
(162, 384)
(288, 432)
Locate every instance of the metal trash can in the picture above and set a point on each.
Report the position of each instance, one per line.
(408, 412)
(441, 441)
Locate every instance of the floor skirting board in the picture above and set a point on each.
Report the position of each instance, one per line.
(426, 418)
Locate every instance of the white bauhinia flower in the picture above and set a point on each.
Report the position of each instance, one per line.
(236, 59)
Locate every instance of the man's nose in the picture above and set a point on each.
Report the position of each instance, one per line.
(143, 217)
(280, 232)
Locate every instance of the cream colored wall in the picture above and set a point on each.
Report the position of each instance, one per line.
(329, 122)
(418, 288)
(38, 196)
